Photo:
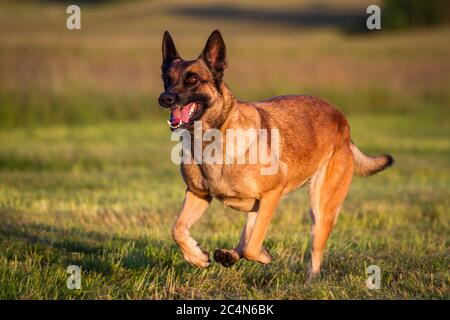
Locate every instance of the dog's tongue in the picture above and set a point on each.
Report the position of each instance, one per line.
(180, 114)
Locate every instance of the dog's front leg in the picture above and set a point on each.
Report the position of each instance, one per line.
(253, 249)
(228, 257)
(193, 208)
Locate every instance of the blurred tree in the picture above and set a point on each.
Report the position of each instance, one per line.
(401, 14)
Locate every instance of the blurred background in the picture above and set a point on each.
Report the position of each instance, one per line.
(85, 171)
(110, 69)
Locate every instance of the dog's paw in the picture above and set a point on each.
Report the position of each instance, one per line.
(264, 256)
(226, 257)
(199, 258)
(313, 277)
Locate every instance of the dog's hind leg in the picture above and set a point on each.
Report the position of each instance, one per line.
(193, 208)
(328, 189)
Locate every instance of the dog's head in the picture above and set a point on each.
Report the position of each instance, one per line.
(191, 87)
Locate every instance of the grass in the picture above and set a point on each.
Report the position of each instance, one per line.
(105, 196)
(86, 177)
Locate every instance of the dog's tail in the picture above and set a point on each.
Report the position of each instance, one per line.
(367, 165)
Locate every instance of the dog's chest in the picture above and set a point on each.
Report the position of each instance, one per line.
(221, 181)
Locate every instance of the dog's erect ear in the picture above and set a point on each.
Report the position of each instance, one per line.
(215, 54)
(169, 52)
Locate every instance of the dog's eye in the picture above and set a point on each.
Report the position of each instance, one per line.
(192, 79)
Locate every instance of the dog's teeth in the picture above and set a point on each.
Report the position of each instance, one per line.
(170, 125)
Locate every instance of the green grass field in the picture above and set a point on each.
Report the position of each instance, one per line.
(86, 176)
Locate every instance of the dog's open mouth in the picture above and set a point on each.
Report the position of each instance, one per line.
(184, 116)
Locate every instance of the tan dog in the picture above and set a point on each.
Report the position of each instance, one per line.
(314, 148)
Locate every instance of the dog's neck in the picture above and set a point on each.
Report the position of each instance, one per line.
(227, 102)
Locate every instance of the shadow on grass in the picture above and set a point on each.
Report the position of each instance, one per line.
(344, 19)
(83, 2)
(92, 251)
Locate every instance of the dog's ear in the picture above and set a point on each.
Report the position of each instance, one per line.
(169, 52)
(215, 55)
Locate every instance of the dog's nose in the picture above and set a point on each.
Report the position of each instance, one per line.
(166, 99)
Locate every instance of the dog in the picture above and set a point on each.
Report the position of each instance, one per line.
(314, 148)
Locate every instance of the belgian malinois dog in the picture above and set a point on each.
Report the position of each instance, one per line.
(315, 149)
